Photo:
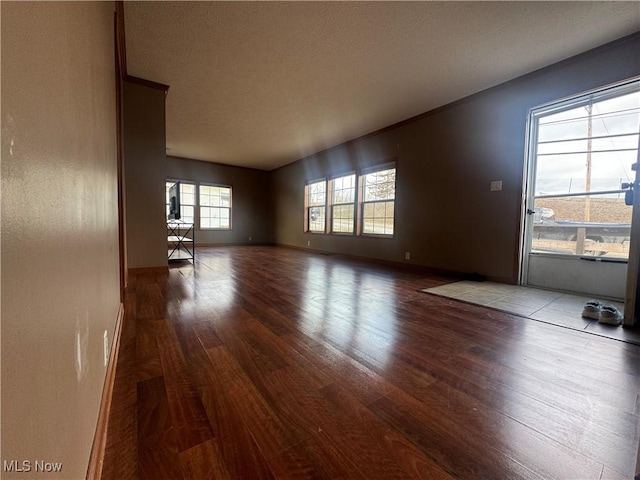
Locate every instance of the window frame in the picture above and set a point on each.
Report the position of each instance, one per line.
(362, 203)
(201, 206)
(332, 204)
(359, 204)
(535, 196)
(171, 181)
(308, 207)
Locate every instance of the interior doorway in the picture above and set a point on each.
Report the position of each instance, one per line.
(578, 206)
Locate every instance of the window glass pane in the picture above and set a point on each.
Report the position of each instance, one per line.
(187, 198)
(380, 185)
(557, 223)
(317, 193)
(377, 218)
(588, 147)
(390, 210)
(568, 173)
(343, 219)
(612, 116)
(344, 189)
(368, 218)
(388, 226)
(215, 218)
(317, 219)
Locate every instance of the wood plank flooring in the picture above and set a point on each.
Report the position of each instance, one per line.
(265, 362)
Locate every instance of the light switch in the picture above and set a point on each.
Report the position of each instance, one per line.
(496, 185)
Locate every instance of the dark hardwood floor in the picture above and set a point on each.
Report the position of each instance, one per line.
(264, 362)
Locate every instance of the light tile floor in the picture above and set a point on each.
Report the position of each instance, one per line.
(557, 308)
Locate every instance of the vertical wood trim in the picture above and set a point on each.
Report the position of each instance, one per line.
(359, 203)
(121, 72)
(94, 471)
(328, 205)
(120, 38)
(305, 228)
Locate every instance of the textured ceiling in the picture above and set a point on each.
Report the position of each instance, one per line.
(261, 84)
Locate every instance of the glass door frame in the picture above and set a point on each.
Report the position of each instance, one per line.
(530, 166)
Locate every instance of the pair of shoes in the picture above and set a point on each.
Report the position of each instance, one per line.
(592, 309)
(607, 314)
(610, 315)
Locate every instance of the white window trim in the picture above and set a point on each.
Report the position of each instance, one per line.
(307, 207)
(200, 206)
(353, 204)
(362, 202)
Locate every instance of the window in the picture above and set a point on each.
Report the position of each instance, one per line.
(343, 196)
(375, 213)
(316, 203)
(378, 202)
(215, 207)
(187, 200)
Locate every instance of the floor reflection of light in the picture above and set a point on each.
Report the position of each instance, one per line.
(351, 309)
(376, 309)
(209, 287)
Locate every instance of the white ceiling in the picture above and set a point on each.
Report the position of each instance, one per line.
(262, 84)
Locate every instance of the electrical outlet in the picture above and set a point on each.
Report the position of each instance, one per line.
(496, 185)
(249, 238)
(105, 347)
(407, 255)
(308, 243)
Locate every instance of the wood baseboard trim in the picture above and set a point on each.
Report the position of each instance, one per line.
(407, 266)
(143, 270)
(379, 261)
(239, 244)
(94, 471)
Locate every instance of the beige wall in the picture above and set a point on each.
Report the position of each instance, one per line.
(445, 214)
(144, 138)
(251, 197)
(60, 280)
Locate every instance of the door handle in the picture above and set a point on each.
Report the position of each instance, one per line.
(628, 195)
(530, 212)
